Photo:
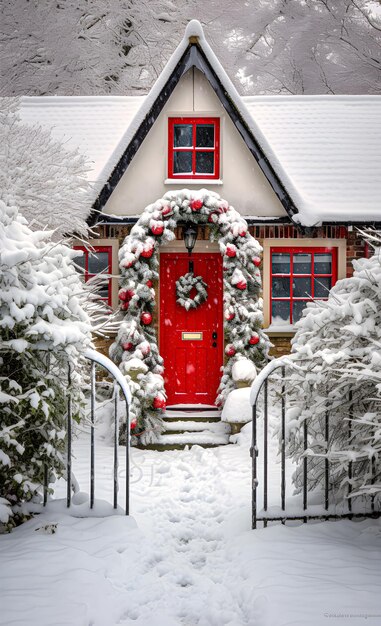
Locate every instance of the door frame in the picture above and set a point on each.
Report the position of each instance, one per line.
(201, 247)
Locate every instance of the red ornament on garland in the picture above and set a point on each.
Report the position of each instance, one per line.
(128, 264)
(231, 250)
(123, 295)
(146, 318)
(147, 253)
(124, 306)
(145, 348)
(242, 284)
(158, 402)
(230, 316)
(149, 283)
(196, 205)
(210, 218)
(254, 339)
(230, 350)
(133, 424)
(257, 261)
(157, 229)
(166, 211)
(242, 233)
(127, 345)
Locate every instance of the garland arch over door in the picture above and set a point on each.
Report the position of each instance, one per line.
(135, 349)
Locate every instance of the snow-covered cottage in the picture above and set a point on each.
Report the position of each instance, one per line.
(301, 171)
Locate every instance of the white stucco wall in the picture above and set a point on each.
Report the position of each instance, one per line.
(243, 184)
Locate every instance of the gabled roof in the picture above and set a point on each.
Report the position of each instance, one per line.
(321, 154)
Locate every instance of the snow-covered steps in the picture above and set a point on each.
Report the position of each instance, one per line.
(192, 425)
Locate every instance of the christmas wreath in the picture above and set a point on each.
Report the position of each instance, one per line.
(184, 286)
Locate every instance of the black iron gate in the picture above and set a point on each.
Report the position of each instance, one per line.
(276, 506)
(98, 360)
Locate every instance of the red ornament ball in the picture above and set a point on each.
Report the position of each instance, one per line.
(159, 402)
(133, 424)
(242, 233)
(145, 348)
(230, 316)
(128, 264)
(147, 253)
(166, 211)
(127, 345)
(157, 229)
(230, 350)
(231, 250)
(242, 284)
(146, 318)
(210, 218)
(196, 205)
(257, 261)
(149, 283)
(124, 306)
(254, 339)
(123, 295)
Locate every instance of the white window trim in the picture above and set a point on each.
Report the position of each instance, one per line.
(340, 244)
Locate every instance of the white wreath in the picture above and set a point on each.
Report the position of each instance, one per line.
(184, 286)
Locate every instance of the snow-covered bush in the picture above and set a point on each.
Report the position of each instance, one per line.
(337, 348)
(43, 330)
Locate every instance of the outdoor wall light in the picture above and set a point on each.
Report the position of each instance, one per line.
(190, 236)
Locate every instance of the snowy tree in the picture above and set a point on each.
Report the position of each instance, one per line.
(337, 371)
(120, 47)
(48, 182)
(43, 327)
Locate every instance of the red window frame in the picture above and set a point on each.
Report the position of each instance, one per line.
(87, 275)
(304, 250)
(172, 121)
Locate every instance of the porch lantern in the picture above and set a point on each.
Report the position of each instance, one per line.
(190, 236)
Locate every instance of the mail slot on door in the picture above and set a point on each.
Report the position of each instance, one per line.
(191, 336)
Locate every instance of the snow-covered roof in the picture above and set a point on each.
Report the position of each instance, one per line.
(326, 150)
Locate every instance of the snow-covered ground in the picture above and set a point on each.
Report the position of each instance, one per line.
(186, 556)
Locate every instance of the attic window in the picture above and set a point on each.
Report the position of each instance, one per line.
(194, 147)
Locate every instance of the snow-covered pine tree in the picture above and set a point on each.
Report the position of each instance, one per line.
(136, 341)
(43, 330)
(337, 349)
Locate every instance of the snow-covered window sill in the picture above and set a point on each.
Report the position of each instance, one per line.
(206, 182)
(286, 330)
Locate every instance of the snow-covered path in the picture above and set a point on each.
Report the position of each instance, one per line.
(192, 558)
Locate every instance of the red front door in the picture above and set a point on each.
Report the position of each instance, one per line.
(191, 342)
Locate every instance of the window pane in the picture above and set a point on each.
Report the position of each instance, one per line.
(301, 287)
(183, 135)
(205, 135)
(281, 263)
(302, 263)
(98, 262)
(281, 287)
(322, 287)
(204, 162)
(323, 263)
(280, 312)
(182, 163)
(297, 308)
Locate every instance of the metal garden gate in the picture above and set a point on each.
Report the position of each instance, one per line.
(97, 359)
(285, 509)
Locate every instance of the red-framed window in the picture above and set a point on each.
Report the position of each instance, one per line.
(97, 260)
(194, 147)
(299, 275)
